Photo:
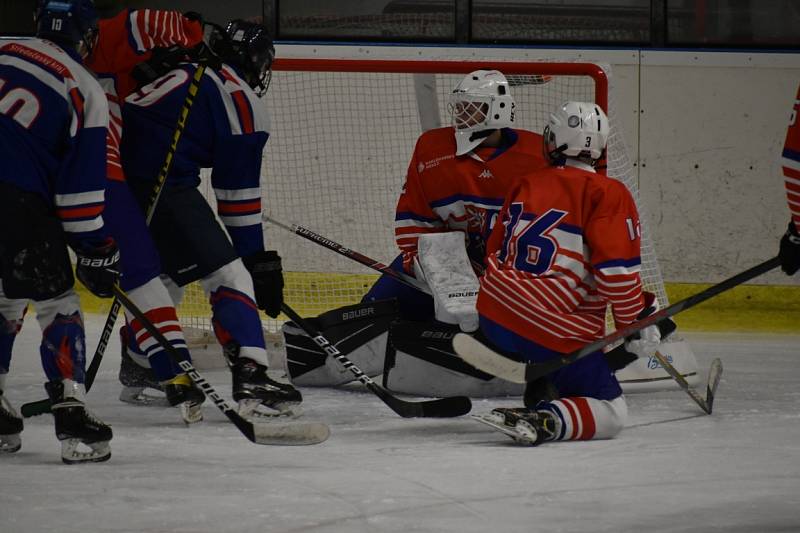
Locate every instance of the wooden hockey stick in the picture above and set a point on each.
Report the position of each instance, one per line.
(350, 254)
(484, 358)
(438, 408)
(295, 433)
(43, 406)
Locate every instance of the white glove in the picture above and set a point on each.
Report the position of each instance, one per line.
(648, 342)
(645, 342)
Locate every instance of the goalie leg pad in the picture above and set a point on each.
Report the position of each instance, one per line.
(358, 331)
(646, 374)
(421, 361)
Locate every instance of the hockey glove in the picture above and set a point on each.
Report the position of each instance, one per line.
(98, 267)
(645, 342)
(789, 253)
(265, 268)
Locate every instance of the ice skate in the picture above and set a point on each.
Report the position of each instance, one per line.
(181, 392)
(10, 427)
(259, 395)
(525, 426)
(84, 437)
(135, 379)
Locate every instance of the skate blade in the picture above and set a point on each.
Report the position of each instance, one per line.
(191, 413)
(98, 451)
(10, 443)
(137, 396)
(510, 431)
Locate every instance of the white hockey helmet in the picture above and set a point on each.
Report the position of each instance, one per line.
(576, 129)
(480, 104)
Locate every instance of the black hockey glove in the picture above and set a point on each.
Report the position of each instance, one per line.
(98, 267)
(789, 253)
(265, 268)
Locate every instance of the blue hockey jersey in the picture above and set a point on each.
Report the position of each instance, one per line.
(226, 131)
(53, 123)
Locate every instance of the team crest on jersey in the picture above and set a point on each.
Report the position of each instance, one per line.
(486, 173)
(476, 218)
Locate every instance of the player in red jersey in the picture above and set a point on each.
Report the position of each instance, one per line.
(790, 162)
(566, 245)
(457, 179)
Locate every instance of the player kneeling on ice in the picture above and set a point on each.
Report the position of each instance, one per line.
(566, 246)
(456, 180)
(53, 125)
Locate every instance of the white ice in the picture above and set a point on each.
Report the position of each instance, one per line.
(673, 469)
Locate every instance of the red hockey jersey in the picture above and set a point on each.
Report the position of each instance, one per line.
(443, 192)
(123, 42)
(568, 243)
(790, 162)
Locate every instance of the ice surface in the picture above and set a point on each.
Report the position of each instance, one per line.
(673, 469)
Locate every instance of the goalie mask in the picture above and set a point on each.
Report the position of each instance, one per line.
(248, 47)
(578, 130)
(480, 104)
(69, 23)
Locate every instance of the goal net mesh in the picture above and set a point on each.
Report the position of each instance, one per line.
(342, 135)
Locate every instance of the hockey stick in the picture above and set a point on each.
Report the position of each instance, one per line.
(43, 406)
(438, 408)
(714, 375)
(351, 254)
(291, 433)
(484, 358)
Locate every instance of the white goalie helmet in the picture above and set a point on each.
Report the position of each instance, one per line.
(480, 104)
(576, 129)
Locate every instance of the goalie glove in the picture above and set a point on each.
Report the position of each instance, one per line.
(646, 341)
(265, 268)
(443, 264)
(789, 252)
(97, 267)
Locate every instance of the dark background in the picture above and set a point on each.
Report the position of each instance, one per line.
(770, 24)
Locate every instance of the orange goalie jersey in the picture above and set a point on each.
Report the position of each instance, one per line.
(790, 162)
(444, 192)
(567, 243)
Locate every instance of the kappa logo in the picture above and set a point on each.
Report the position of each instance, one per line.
(486, 173)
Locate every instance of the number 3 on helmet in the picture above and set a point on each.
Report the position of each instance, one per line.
(578, 130)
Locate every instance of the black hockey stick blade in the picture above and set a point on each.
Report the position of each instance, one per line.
(438, 408)
(485, 358)
(299, 433)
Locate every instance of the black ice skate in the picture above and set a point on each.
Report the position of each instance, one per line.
(525, 426)
(253, 389)
(182, 392)
(10, 427)
(75, 425)
(135, 379)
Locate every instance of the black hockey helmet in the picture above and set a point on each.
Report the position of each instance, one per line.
(67, 22)
(248, 47)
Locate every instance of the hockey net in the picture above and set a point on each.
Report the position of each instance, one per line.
(342, 135)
